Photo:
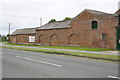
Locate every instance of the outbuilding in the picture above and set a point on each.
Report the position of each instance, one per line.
(90, 28)
(23, 36)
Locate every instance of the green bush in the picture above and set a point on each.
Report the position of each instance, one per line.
(52, 20)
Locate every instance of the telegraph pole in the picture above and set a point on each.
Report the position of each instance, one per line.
(40, 22)
(9, 33)
(118, 5)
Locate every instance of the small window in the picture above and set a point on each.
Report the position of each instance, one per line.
(25, 38)
(104, 36)
(94, 24)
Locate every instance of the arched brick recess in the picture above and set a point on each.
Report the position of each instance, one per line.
(42, 39)
(14, 40)
(54, 40)
(74, 40)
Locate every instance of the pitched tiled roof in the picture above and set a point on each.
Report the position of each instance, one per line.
(56, 25)
(96, 13)
(24, 31)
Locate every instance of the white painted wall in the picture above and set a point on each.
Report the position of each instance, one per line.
(31, 38)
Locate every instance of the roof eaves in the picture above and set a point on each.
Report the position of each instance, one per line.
(54, 28)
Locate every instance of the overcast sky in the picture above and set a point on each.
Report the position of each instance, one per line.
(26, 13)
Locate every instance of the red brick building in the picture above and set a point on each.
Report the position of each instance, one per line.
(23, 36)
(88, 29)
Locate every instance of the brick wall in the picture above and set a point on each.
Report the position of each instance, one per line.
(53, 37)
(92, 37)
(13, 39)
(21, 39)
(81, 32)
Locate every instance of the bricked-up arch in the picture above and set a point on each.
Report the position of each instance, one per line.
(54, 41)
(42, 39)
(74, 40)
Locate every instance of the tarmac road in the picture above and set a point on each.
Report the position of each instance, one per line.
(25, 64)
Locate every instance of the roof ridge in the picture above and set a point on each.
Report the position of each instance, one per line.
(98, 11)
(61, 21)
(26, 28)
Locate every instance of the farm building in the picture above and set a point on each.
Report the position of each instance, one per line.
(88, 29)
(23, 36)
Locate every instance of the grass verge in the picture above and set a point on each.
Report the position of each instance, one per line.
(78, 54)
(66, 47)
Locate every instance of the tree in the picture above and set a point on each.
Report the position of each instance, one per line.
(52, 20)
(4, 38)
(0, 38)
(8, 35)
(67, 18)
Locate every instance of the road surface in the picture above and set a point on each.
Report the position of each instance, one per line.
(25, 64)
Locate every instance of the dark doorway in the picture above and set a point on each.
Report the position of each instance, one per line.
(118, 38)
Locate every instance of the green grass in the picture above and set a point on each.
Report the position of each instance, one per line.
(66, 47)
(3, 41)
(90, 55)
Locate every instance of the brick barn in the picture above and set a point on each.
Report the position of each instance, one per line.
(22, 36)
(88, 29)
